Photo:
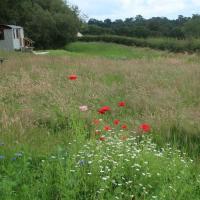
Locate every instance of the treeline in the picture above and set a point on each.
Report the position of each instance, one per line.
(50, 23)
(180, 28)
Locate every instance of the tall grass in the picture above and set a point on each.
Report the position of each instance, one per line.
(50, 150)
(132, 169)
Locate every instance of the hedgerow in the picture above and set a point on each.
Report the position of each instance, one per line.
(174, 45)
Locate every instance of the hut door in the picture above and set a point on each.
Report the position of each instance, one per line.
(20, 40)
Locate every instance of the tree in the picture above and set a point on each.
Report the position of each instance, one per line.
(192, 27)
(51, 24)
(107, 22)
(176, 33)
(179, 28)
(141, 32)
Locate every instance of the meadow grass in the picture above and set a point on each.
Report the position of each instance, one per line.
(112, 50)
(51, 150)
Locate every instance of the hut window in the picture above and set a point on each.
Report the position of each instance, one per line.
(1, 35)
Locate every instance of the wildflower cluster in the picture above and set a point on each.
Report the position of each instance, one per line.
(124, 162)
(117, 125)
(130, 168)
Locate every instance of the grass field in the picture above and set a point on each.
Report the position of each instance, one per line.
(49, 149)
(112, 51)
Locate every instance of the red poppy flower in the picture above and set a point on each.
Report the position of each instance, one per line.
(96, 121)
(145, 127)
(116, 121)
(121, 104)
(124, 126)
(101, 111)
(73, 77)
(104, 109)
(102, 138)
(107, 128)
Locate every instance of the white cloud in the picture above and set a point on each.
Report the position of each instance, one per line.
(116, 9)
(195, 2)
(153, 7)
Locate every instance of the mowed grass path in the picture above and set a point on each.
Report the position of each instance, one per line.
(48, 148)
(112, 50)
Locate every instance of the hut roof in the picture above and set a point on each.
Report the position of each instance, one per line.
(9, 26)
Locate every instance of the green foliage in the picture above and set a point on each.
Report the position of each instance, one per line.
(51, 24)
(192, 27)
(115, 169)
(95, 30)
(138, 27)
(179, 28)
(174, 45)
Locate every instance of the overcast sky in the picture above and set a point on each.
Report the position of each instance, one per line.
(116, 9)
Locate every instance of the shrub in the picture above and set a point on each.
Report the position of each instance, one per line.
(169, 44)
